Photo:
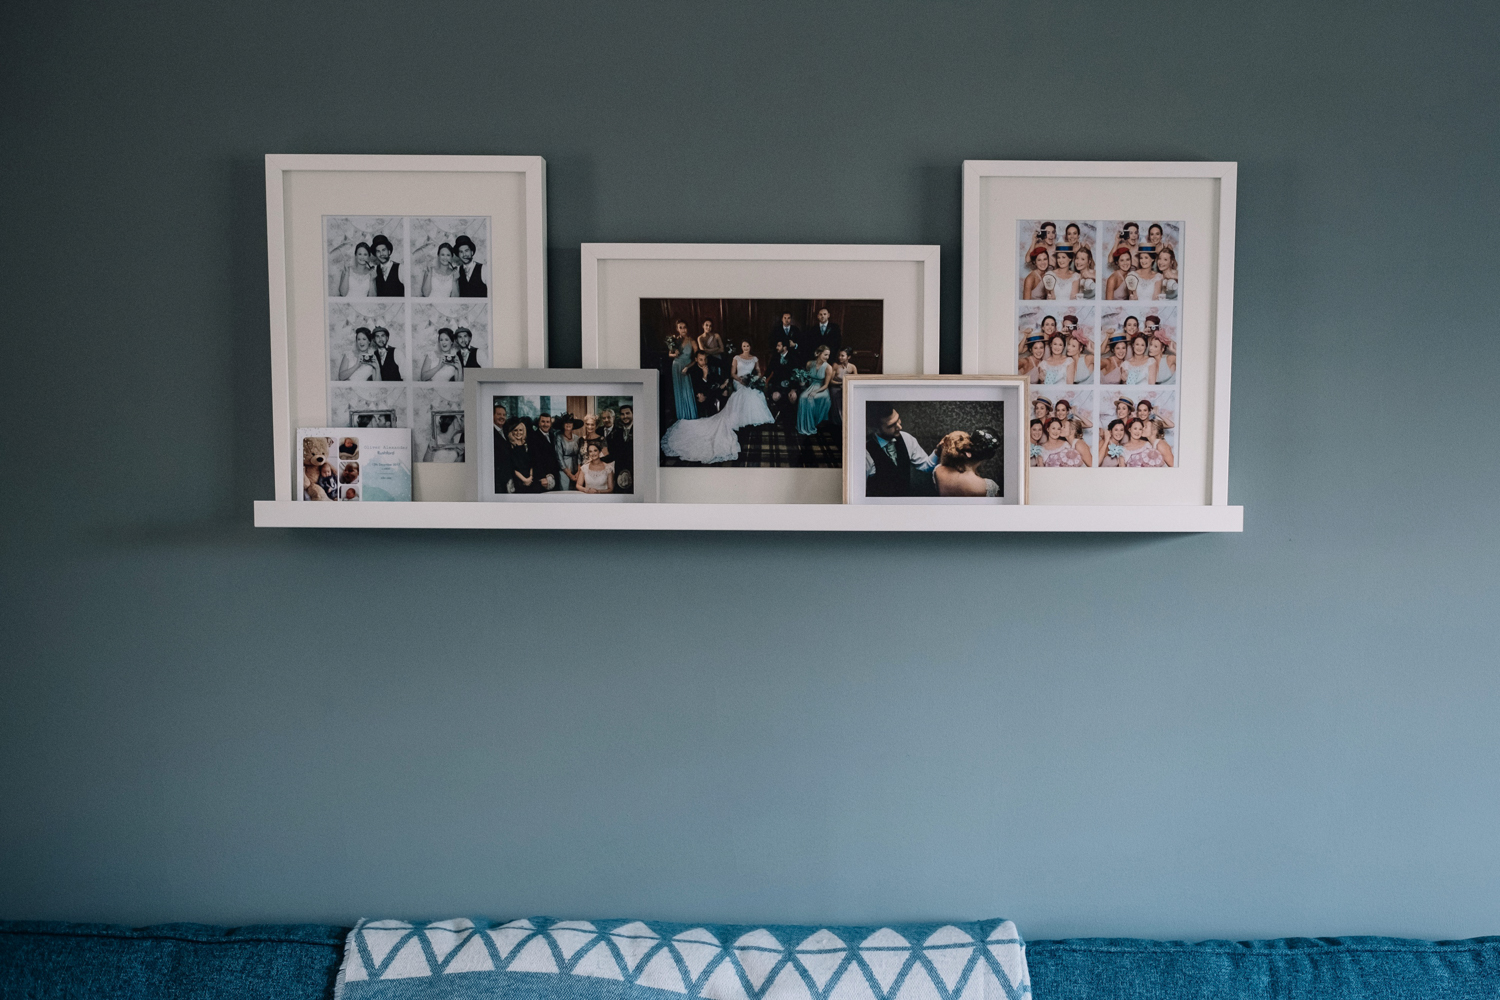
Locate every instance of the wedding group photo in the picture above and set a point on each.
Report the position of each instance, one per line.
(1056, 346)
(757, 383)
(1057, 259)
(932, 448)
(408, 301)
(564, 444)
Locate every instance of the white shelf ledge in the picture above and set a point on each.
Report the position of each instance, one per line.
(744, 517)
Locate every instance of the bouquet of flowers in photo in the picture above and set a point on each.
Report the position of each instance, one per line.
(670, 344)
(755, 381)
(803, 378)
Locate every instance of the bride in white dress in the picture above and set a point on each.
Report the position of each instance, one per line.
(711, 440)
(437, 280)
(358, 279)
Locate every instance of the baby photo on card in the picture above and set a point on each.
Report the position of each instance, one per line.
(348, 463)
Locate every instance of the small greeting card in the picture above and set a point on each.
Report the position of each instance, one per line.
(355, 463)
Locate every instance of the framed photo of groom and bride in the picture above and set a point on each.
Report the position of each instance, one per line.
(752, 344)
(391, 279)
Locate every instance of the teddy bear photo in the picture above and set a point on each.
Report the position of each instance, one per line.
(319, 482)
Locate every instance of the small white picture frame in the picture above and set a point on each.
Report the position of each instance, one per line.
(561, 394)
(1004, 198)
(618, 277)
(322, 209)
(976, 422)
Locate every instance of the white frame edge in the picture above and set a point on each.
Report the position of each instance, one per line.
(929, 256)
(1225, 172)
(534, 169)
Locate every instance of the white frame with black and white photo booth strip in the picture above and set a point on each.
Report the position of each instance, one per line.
(617, 276)
(1007, 391)
(483, 386)
(1002, 196)
(319, 210)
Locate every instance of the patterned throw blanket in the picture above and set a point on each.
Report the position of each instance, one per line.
(542, 959)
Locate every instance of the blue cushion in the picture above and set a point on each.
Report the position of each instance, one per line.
(41, 961)
(299, 962)
(1352, 968)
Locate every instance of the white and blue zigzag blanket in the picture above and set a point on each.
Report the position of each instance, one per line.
(542, 959)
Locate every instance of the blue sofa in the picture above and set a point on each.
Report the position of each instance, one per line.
(41, 961)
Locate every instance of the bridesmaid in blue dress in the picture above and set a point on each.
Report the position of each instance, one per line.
(682, 385)
(812, 408)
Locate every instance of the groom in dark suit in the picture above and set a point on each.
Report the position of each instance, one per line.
(790, 334)
(825, 333)
(468, 354)
(388, 282)
(389, 370)
(470, 273)
(621, 441)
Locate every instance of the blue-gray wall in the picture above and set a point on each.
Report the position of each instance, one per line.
(1291, 731)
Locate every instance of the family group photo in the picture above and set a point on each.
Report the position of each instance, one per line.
(933, 448)
(757, 383)
(568, 444)
(1056, 346)
(1139, 346)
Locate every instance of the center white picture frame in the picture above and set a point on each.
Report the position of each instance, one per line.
(616, 277)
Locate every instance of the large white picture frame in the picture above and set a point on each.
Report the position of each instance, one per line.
(303, 191)
(616, 277)
(1001, 196)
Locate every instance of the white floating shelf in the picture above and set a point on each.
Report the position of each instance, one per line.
(745, 517)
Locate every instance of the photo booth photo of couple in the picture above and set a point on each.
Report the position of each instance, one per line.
(757, 383)
(934, 448)
(367, 257)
